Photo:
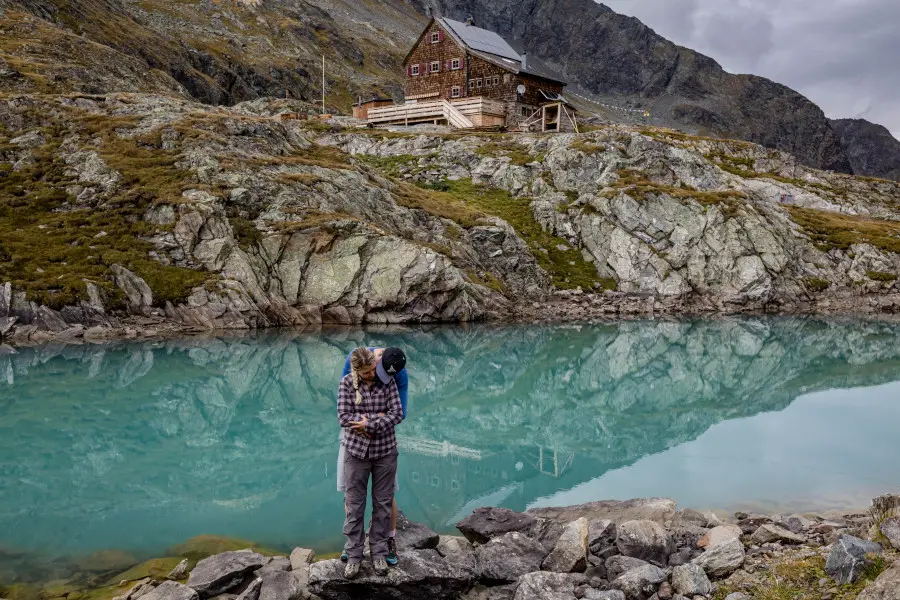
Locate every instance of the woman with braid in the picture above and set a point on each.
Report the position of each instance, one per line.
(368, 411)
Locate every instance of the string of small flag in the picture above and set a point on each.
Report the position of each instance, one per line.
(641, 111)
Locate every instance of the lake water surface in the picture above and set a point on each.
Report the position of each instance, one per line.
(140, 446)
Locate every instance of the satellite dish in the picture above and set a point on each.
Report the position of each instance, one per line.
(521, 89)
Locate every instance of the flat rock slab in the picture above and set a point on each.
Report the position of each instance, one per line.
(280, 585)
(640, 583)
(220, 573)
(548, 586)
(616, 565)
(849, 557)
(171, 590)
(508, 557)
(768, 533)
(421, 574)
(721, 560)
(414, 536)
(720, 535)
(486, 523)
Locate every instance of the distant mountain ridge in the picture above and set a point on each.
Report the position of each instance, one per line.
(228, 51)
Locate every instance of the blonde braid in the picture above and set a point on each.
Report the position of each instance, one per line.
(361, 357)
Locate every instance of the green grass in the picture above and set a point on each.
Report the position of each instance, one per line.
(830, 230)
(587, 147)
(517, 153)
(881, 276)
(815, 284)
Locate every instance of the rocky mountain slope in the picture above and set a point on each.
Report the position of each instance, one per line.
(175, 212)
(228, 51)
(871, 148)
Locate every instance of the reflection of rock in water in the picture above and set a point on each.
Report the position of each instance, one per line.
(192, 427)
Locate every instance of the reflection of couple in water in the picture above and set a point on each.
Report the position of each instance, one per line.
(371, 402)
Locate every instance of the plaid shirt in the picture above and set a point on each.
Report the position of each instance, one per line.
(377, 398)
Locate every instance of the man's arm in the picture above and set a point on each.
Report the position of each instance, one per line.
(392, 417)
(347, 404)
(402, 380)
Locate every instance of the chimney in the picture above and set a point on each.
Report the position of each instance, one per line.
(524, 61)
(470, 20)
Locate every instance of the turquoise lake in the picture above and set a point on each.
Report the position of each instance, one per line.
(139, 446)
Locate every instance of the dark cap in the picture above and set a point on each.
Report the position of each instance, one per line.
(392, 362)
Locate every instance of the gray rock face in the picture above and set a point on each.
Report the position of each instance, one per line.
(508, 557)
(616, 565)
(721, 560)
(486, 523)
(870, 148)
(171, 590)
(885, 587)
(279, 585)
(301, 557)
(220, 573)
(421, 574)
(276, 564)
(570, 553)
(690, 580)
(640, 583)
(548, 586)
(411, 535)
(646, 540)
(136, 289)
(773, 533)
(849, 558)
(890, 528)
(592, 594)
(457, 550)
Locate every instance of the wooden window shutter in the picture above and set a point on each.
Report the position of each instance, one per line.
(440, 36)
(409, 71)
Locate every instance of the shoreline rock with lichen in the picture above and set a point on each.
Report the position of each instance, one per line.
(156, 213)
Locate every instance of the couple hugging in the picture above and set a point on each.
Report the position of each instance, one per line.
(372, 400)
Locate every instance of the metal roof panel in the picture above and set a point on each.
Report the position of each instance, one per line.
(482, 40)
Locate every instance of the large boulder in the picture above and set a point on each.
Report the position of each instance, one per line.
(646, 540)
(720, 535)
(542, 585)
(486, 523)
(508, 557)
(280, 585)
(171, 590)
(570, 553)
(890, 528)
(773, 533)
(616, 565)
(414, 536)
(849, 558)
(691, 580)
(886, 587)
(135, 289)
(721, 560)
(490, 592)
(421, 574)
(640, 583)
(301, 559)
(222, 572)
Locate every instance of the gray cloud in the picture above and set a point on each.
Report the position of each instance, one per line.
(843, 54)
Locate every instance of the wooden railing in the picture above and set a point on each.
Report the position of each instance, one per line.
(456, 111)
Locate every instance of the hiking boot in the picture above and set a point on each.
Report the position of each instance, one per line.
(392, 558)
(381, 567)
(344, 556)
(351, 570)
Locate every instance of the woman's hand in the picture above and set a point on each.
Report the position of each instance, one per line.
(360, 426)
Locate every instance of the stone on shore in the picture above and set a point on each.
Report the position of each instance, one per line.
(601, 531)
(543, 585)
(691, 580)
(222, 572)
(720, 535)
(508, 557)
(570, 553)
(278, 563)
(640, 583)
(890, 528)
(171, 590)
(457, 550)
(592, 594)
(180, 571)
(414, 536)
(279, 585)
(487, 592)
(302, 557)
(768, 533)
(886, 587)
(486, 523)
(616, 565)
(849, 558)
(421, 574)
(646, 540)
(252, 591)
(721, 560)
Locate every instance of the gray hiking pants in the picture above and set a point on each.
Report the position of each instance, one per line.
(356, 478)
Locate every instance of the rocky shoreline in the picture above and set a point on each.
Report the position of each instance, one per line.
(642, 549)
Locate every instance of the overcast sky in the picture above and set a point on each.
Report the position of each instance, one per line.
(842, 54)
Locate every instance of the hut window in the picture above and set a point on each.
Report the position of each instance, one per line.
(454, 64)
(478, 82)
(435, 37)
(496, 80)
(414, 70)
(435, 66)
(454, 91)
